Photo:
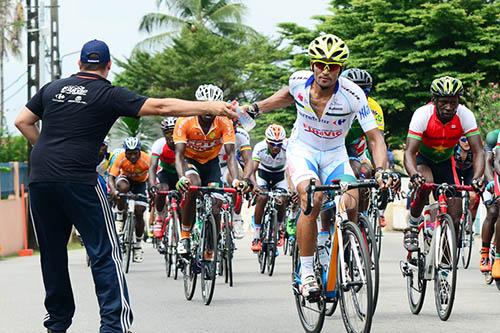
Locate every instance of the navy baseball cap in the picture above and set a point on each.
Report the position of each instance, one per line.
(99, 51)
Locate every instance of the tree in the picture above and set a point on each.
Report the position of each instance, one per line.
(406, 44)
(11, 24)
(222, 17)
(14, 148)
(246, 71)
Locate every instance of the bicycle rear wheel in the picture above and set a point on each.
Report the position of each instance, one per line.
(415, 282)
(370, 238)
(128, 240)
(356, 290)
(467, 238)
(168, 249)
(190, 275)
(228, 250)
(311, 315)
(272, 245)
(209, 265)
(445, 276)
(263, 254)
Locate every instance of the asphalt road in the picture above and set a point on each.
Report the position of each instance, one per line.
(256, 303)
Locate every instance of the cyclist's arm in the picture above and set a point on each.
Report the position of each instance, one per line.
(26, 124)
(497, 161)
(488, 166)
(246, 155)
(180, 161)
(278, 100)
(476, 146)
(111, 183)
(410, 159)
(181, 108)
(232, 165)
(376, 145)
(152, 170)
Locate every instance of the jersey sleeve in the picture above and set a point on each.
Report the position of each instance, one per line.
(256, 151)
(377, 113)
(35, 104)
(157, 147)
(468, 121)
(297, 79)
(365, 116)
(115, 169)
(126, 103)
(227, 127)
(243, 139)
(418, 124)
(180, 134)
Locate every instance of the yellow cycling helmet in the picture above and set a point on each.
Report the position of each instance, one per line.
(330, 48)
(446, 86)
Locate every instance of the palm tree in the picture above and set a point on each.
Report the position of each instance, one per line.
(11, 25)
(147, 129)
(222, 17)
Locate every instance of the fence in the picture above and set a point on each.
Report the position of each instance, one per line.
(7, 178)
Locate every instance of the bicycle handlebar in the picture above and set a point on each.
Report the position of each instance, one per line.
(433, 186)
(132, 196)
(210, 189)
(336, 185)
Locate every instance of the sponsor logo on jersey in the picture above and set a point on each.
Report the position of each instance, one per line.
(339, 121)
(364, 112)
(300, 97)
(74, 90)
(323, 133)
(202, 145)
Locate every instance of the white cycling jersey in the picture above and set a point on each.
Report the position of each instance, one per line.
(266, 161)
(329, 132)
(242, 143)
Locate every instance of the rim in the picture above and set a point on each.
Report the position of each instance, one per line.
(445, 276)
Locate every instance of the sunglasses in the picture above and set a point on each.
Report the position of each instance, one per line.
(463, 139)
(275, 144)
(322, 65)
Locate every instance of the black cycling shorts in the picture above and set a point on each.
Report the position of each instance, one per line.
(136, 188)
(442, 172)
(168, 178)
(209, 172)
(465, 175)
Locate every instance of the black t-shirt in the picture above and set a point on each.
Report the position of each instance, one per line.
(77, 113)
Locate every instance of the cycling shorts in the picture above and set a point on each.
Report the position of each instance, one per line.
(442, 172)
(465, 175)
(208, 172)
(136, 188)
(168, 178)
(305, 162)
(271, 180)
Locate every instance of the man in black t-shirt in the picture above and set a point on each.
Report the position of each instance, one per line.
(77, 113)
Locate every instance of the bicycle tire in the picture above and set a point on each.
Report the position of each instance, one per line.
(416, 285)
(168, 252)
(448, 229)
(263, 254)
(189, 277)
(367, 232)
(272, 245)
(228, 251)
(351, 233)
(330, 307)
(374, 216)
(467, 239)
(129, 235)
(208, 268)
(310, 323)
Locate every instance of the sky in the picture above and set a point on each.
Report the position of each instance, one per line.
(117, 21)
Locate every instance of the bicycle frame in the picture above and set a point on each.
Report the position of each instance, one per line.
(171, 206)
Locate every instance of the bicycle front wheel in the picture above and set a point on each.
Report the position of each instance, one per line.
(272, 245)
(355, 283)
(370, 239)
(228, 250)
(445, 276)
(128, 240)
(208, 259)
(311, 315)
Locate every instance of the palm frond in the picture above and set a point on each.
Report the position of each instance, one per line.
(235, 30)
(156, 42)
(227, 12)
(154, 21)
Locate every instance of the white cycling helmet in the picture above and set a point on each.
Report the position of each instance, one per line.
(209, 92)
(168, 123)
(275, 133)
(106, 141)
(132, 143)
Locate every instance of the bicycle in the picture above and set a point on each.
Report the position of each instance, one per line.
(226, 244)
(127, 237)
(465, 234)
(436, 258)
(171, 231)
(345, 276)
(269, 234)
(488, 278)
(292, 215)
(203, 258)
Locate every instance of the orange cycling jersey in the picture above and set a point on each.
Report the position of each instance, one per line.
(136, 172)
(203, 147)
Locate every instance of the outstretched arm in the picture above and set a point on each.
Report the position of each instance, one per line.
(182, 108)
(278, 100)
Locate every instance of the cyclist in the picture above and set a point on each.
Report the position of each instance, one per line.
(130, 173)
(269, 160)
(357, 147)
(463, 164)
(103, 165)
(435, 130)
(326, 107)
(243, 151)
(492, 210)
(162, 154)
(198, 141)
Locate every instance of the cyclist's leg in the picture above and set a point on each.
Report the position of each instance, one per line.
(188, 211)
(122, 186)
(139, 209)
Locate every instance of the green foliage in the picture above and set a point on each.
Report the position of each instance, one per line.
(14, 148)
(406, 44)
(246, 71)
(485, 103)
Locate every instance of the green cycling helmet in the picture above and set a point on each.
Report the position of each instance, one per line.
(446, 86)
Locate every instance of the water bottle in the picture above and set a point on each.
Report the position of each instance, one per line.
(246, 121)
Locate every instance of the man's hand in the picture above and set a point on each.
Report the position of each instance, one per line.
(417, 180)
(152, 191)
(295, 198)
(183, 184)
(478, 184)
(218, 108)
(252, 110)
(383, 179)
(113, 195)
